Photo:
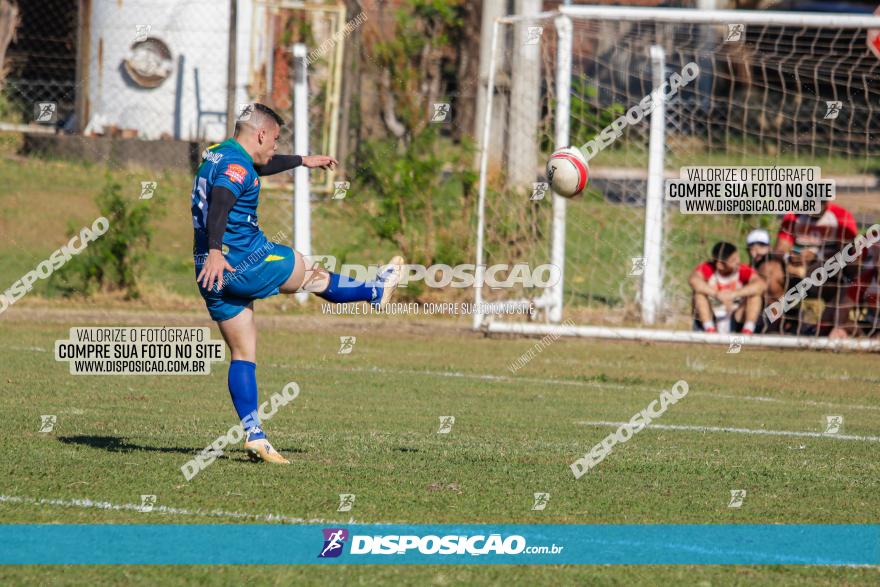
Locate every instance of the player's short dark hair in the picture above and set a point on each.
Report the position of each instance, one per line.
(256, 107)
(269, 112)
(722, 251)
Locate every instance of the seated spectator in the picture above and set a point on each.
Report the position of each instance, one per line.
(727, 294)
(810, 233)
(863, 295)
(773, 270)
(804, 242)
(758, 246)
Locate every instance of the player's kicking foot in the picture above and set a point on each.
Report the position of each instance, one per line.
(260, 450)
(389, 277)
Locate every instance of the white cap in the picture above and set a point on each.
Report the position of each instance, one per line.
(759, 236)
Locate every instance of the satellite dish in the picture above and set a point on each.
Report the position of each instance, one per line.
(148, 62)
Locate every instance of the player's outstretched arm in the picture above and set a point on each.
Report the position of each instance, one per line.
(222, 200)
(322, 161)
(279, 163)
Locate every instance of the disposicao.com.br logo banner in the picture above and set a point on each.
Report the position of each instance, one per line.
(593, 544)
(478, 544)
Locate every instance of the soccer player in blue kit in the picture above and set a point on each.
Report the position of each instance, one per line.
(228, 240)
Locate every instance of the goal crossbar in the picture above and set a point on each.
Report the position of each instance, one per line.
(651, 335)
(696, 16)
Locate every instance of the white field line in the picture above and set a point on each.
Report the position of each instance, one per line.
(161, 509)
(803, 402)
(34, 349)
(455, 374)
(758, 432)
(696, 365)
(713, 369)
(538, 381)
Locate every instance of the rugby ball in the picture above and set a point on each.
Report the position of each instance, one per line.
(568, 172)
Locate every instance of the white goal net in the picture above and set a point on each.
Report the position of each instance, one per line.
(774, 89)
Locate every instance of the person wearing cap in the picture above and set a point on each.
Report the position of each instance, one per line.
(758, 246)
(771, 266)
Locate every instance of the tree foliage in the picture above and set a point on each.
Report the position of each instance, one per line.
(418, 181)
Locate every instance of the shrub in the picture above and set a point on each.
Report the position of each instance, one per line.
(114, 261)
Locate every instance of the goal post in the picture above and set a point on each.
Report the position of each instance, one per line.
(652, 287)
(562, 130)
(758, 100)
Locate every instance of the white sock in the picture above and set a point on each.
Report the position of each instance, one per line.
(708, 324)
(749, 325)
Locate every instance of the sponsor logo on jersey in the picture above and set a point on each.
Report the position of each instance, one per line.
(209, 155)
(236, 173)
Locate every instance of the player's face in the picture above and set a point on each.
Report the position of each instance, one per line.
(268, 145)
(758, 250)
(729, 265)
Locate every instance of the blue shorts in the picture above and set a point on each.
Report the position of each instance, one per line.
(253, 279)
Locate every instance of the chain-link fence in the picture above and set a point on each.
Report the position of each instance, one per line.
(139, 69)
(40, 63)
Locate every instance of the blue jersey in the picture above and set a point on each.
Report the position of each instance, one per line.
(228, 165)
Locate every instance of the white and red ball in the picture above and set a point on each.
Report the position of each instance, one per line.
(568, 172)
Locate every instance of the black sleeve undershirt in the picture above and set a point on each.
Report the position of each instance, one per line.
(278, 163)
(222, 200)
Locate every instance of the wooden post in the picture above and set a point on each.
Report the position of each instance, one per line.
(230, 67)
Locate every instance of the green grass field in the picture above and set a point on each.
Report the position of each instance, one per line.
(366, 423)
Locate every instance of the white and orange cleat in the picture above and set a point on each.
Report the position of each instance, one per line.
(260, 450)
(389, 276)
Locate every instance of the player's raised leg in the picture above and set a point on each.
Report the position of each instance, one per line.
(339, 289)
(240, 333)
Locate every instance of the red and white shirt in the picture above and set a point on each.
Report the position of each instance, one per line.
(835, 225)
(736, 280)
